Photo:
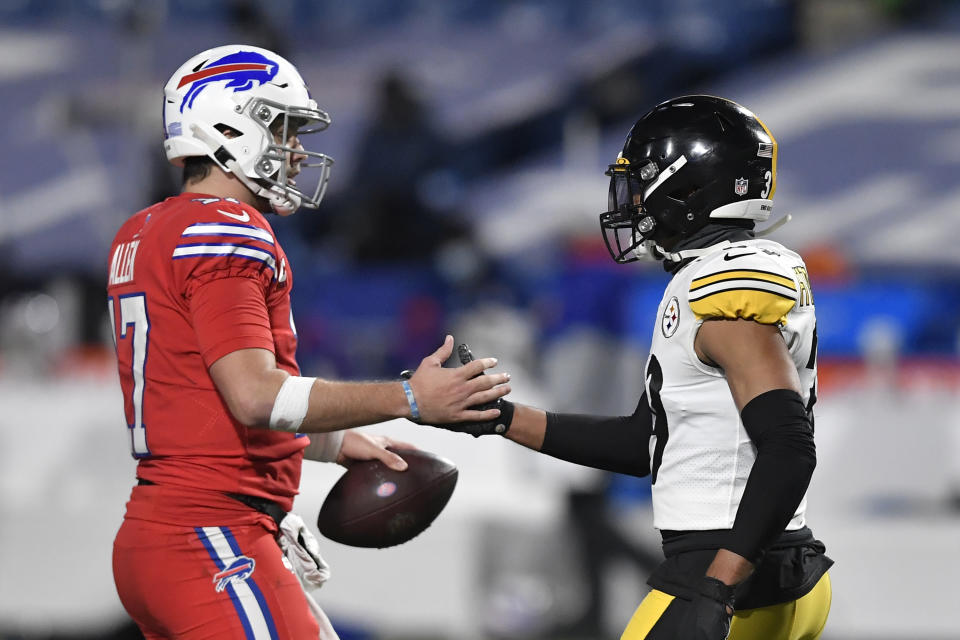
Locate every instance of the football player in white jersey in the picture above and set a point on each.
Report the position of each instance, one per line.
(724, 425)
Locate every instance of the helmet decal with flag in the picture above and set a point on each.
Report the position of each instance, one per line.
(685, 163)
(247, 109)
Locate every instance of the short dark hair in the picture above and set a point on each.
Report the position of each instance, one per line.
(196, 168)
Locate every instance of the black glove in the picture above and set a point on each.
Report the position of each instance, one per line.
(497, 426)
(709, 618)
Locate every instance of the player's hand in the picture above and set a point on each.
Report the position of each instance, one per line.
(358, 446)
(710, 612)
(498, 426)
(453, 395)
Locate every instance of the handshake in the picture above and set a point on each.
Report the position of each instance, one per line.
(496, 426)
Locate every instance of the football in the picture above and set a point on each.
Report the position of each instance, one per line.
(374, 506)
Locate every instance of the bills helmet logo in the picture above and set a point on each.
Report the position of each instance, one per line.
(237, 571)
(241, 70)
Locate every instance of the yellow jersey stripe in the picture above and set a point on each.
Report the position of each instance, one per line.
(765, 307)
(743, 274)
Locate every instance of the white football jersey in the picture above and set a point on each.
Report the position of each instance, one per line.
(700, 454)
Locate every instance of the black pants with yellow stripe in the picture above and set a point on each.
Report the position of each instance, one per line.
(659, 616)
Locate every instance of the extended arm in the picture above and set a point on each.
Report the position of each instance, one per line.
(250, 382)
(231, 322)
(612, 443)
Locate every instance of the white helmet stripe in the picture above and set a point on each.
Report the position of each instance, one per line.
(666, 173)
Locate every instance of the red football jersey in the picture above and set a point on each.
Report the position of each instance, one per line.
(192, 279)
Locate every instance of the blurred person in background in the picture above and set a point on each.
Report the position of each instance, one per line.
(199, 297)
(725, 424)
(600, 543)
(397, 208)
(404, 210)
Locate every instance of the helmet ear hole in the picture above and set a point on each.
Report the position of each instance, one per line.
(684, 193)
(227, 131)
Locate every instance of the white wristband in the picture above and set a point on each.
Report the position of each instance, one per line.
(290, 407)
(324, 447)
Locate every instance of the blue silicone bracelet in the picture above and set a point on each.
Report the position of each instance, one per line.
(412, 401)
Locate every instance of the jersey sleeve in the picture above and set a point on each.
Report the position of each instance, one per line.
(223, 240)
(740, 285)
(228, 314)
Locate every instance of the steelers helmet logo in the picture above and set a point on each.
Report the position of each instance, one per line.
(671, 318)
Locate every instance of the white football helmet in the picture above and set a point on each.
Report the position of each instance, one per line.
(261, 100)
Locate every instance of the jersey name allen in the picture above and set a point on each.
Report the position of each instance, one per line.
(121, 267)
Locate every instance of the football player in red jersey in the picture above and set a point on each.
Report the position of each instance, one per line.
(199, 297)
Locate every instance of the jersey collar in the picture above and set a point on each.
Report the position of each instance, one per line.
(713, 237)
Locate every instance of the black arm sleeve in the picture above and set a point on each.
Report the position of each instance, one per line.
(779, 426)
(620, 444)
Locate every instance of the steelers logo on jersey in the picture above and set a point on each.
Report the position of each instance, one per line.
(671, 318)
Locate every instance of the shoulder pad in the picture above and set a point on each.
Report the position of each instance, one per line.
(744, 282)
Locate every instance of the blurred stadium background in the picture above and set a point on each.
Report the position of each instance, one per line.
(471, 138)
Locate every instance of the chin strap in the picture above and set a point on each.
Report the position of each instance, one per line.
(282, 202)
(776, 225)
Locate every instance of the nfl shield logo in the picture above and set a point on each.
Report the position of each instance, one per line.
(740, 186)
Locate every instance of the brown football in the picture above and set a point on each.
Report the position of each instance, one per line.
(374, 506)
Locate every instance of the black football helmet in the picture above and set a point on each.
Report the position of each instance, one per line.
(686, 162)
